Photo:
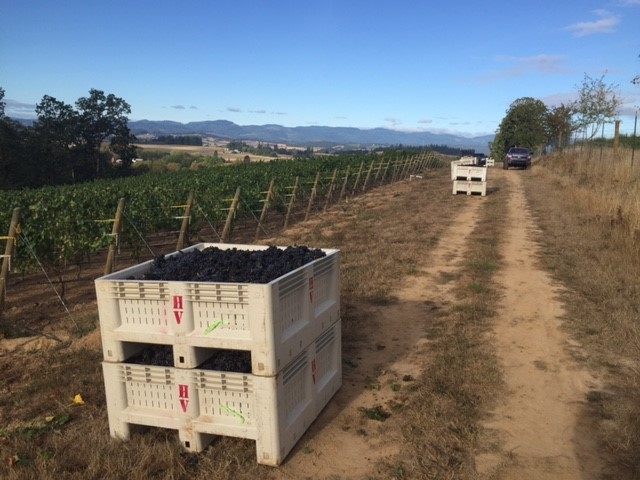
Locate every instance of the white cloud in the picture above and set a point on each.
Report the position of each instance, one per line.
(519, 66)
(425, 121)
(545, 63)
(233, 110)
(393, 121)
(605, 24)
(556, 99)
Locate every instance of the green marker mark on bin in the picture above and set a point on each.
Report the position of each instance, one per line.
(213, 326)
(234, 413)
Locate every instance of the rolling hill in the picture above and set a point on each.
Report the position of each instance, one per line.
(310, 135)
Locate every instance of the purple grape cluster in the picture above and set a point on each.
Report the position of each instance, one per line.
(213, 264)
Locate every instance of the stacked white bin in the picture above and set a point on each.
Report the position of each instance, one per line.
(291, 326)
(467, 177)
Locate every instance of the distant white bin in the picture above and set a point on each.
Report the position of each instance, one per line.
(275, 321)
(468, 172)
(470, 187)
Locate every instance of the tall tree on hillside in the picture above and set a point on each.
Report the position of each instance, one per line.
(525, 125)
(71, 138)
(597, 105)
(101, 116)
(55, 135)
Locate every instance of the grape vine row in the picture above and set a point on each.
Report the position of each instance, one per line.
(65, 224)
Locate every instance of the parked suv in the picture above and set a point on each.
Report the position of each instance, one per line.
(517, 157)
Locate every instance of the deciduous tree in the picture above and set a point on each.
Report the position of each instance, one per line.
(597, 105)
(525, 125)
(70, 139)
(101, 116)
(561, 124)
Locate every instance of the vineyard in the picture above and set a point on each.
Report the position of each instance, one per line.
(65, 226)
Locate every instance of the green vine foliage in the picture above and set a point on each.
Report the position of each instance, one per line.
(64, 225)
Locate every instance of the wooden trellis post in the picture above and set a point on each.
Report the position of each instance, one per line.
(431, 160)
(402, 169)
(366, 179)
(386, 169)
(344, 184)
(292, 200)
(265, 207)
(406, 168)
(378, 170)
(399, 174)
(330, 191)
(312, 197)
(424, 163)
(116, 230)
(9, 249)
(186, 218)
(357, 181)
(412, 166)
(394, 172)
(402, 164)
(230, 215)
(421, 162)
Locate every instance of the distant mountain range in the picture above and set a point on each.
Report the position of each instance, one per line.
(309, 136)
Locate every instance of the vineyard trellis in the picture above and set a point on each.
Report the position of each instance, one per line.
(66, 225)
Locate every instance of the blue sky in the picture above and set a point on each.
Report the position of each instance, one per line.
(447, 66)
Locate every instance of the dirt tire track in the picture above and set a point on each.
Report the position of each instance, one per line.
(341, 444)
(539, 419)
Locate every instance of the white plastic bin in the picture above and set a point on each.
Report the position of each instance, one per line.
(275, 321)
(467, 172)
(274, 411)
(469, 187)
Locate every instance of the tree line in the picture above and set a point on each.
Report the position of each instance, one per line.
(531, 124)
(66, 143)
(191, 140)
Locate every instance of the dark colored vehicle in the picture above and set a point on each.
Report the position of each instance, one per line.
(517, 157)
(481, 159)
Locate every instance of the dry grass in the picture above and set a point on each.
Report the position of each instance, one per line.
(209, 150)
(586, 226)
(604, 183)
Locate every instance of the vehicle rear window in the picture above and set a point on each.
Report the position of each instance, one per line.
(519, 150)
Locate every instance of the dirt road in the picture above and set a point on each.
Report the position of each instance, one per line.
(535, 430)
(539, 420)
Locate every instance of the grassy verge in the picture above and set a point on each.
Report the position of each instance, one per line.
(594, 258)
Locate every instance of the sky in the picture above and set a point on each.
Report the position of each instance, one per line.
(442, 66)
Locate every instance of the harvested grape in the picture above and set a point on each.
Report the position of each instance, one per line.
(213, 264)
